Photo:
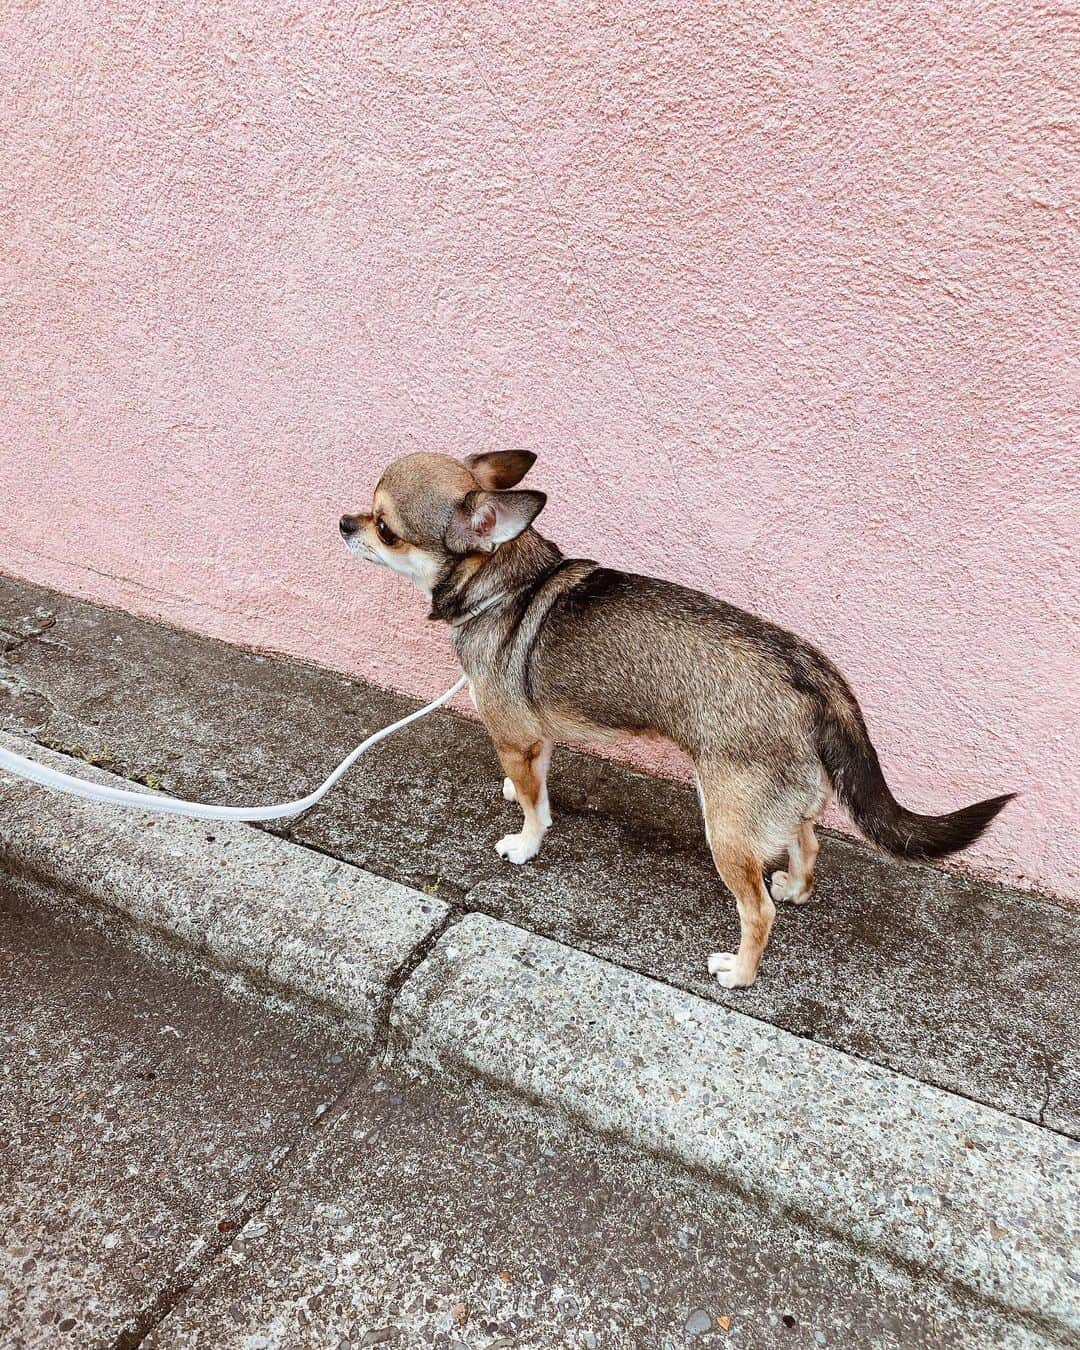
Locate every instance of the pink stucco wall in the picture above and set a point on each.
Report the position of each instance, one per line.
(784, 297)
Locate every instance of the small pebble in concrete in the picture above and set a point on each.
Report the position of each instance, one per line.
(698, 1323)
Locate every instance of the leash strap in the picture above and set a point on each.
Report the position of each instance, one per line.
(30, 769)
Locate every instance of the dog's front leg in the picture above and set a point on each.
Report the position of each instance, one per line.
(526, 769)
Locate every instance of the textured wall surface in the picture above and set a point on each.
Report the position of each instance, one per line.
(784, 297)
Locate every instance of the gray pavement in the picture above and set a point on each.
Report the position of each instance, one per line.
(918, 1175)
(183, 1169)
(956, 983)
(143, 1117)
(427, 1217)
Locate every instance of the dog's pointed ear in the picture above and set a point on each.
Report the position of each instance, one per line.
(500, 469)
(484, 520)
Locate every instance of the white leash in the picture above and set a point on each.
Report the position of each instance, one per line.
(95, 792)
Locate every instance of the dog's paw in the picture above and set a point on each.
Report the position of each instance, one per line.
(787, 892)
(517, 848)
(509, 791)
(777, 885)
(725, 966)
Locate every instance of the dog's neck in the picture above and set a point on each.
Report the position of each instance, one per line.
(478, 581)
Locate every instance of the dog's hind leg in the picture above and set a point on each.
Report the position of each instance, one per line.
(740, 870)
(739, 861)
(795, 885)
(526, 769)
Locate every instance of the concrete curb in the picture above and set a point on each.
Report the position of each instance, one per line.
(894, 1166)
(285, 916)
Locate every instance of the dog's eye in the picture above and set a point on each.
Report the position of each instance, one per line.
(385, 533)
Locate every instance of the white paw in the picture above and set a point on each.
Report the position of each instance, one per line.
(787, 892)
(517, 848)
(778, 884)
(509, 791)
(719, 961)
(725, 966)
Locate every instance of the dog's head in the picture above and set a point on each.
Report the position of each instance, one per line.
(430, 511)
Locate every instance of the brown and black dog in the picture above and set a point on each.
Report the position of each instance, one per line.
(560, 648)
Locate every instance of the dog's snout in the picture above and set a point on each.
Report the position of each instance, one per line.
(348, 525)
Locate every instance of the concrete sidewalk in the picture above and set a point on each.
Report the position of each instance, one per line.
(983, 1202)
(292, 922)
(961, 984)
(931, 1181)
(870, 1151)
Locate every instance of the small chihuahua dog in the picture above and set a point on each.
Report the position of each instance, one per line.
(561, 648)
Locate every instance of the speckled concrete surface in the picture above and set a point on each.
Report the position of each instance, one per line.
(148, 1115)
(288, 918)
(432, 1218)
(986, 1201)
(141, 1114)
(178, 1169)
(946, 979)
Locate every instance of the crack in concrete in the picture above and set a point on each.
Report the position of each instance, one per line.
(401, 976)
(278, 1173)
(1048, 1085)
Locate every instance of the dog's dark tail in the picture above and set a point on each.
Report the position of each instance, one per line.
(852, 763)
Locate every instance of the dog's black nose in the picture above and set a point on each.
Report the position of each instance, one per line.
(348, 525)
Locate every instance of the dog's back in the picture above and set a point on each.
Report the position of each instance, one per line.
(635, 653)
